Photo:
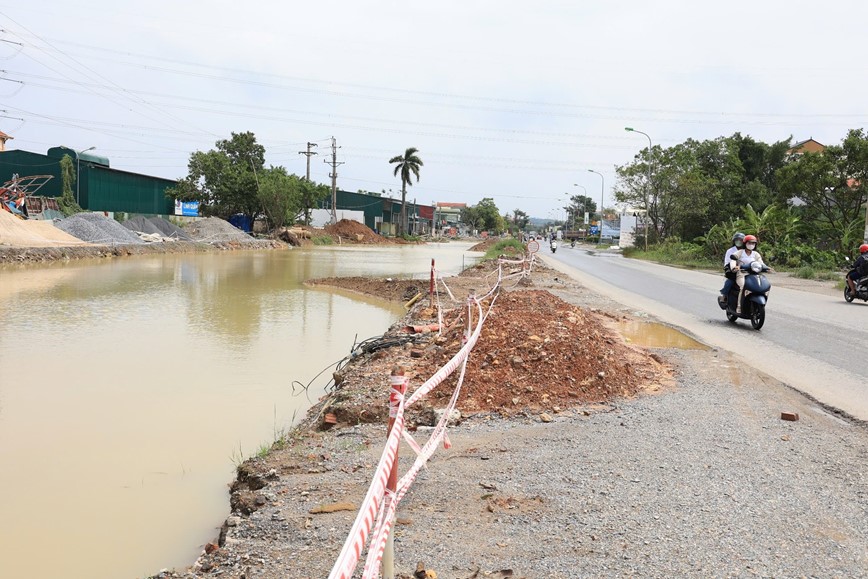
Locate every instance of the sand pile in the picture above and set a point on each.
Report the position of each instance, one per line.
(354, 231)
(97, 228)
(16, 232)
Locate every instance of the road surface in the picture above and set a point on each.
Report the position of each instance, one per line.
(815, 343)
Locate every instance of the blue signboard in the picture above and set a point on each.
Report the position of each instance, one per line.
(594, 229)
(187, 208)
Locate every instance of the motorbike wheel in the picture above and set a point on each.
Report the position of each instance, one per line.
(758, 316)
(731, 317)
(847, 295)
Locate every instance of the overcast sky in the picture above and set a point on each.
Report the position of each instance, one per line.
(510, 100)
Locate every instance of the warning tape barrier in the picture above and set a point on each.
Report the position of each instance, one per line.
(370, 516)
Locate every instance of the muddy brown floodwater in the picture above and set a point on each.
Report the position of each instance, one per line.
(130, 389)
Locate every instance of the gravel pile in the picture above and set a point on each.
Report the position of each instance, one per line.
(97, 228)
(169, 229)
(141, 224)
(216, 230)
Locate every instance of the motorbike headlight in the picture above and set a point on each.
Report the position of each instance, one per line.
(756, 267)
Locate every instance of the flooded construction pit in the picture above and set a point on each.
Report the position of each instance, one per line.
(129, 389)
(654, 335)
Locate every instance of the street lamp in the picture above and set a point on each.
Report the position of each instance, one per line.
(78, 172)
(602, 191)
(632, 130)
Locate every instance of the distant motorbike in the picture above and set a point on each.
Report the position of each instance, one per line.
(554, 246)
(573, 243)
(753, 302)
(861, 289)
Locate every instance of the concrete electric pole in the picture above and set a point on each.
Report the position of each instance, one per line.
(334, 175)
(307, 154)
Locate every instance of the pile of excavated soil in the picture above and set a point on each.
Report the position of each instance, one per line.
(392, 289)
(536, 353)
(485, 245)
(15, 232)
(97, 228)
(354, 231)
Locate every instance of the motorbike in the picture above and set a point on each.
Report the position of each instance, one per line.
(554, 246)
(861, 288)
(753, 302)
(573, 243)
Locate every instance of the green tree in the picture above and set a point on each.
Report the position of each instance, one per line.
(67, 203)
(407, 165)
(833, 185)
(224, 179)
(280, 195)
(579, 204)
(520, 219)
(484, 216)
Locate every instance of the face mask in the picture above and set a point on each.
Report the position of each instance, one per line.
(751, 246)
(738, 243)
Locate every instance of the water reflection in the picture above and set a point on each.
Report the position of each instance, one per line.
(127, 385)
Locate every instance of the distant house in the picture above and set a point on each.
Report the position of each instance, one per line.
(808, 146)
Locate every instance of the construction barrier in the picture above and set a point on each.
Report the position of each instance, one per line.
(376, 515)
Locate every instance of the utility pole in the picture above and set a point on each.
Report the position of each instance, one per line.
(334, 175)
(307, 154)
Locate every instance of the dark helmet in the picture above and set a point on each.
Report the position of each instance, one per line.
(737, 239)
(863, 248)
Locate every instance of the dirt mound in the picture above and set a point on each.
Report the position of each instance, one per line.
(485, 245)
(537, 351)
(392, 289)
(354, 231)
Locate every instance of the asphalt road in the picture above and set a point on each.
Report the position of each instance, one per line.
(814, 343)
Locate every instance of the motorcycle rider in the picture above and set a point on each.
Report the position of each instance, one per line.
(744, 257)
(860, 268)
(737, 243)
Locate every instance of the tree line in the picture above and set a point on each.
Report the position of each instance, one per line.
(806, 208)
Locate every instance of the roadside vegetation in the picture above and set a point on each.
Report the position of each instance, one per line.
(807, 209)
(507, 247)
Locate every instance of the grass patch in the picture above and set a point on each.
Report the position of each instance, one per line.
(841, 284)
(508, 247)
(323, 240)
(805, 272)
(683, 254)
(829, 276)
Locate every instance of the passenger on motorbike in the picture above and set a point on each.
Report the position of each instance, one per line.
(860, 268)
(737, 243)
(743, 258)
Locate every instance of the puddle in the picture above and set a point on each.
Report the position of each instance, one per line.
(653, 335)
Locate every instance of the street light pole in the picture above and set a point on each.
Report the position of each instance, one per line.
(632, 130)
(602, 191)
(78, 172)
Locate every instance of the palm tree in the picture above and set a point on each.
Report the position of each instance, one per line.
(408, 165)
